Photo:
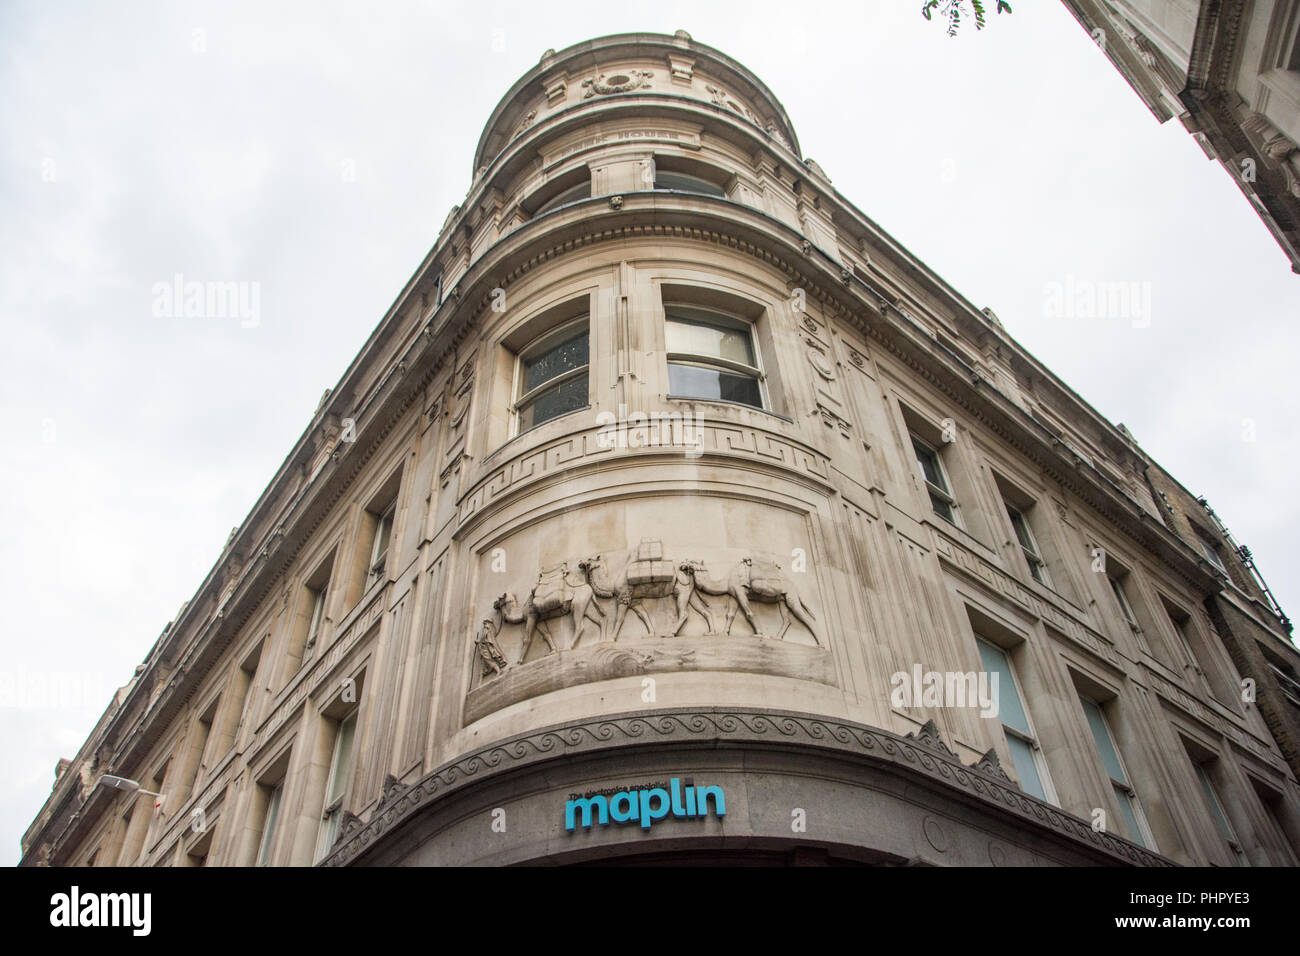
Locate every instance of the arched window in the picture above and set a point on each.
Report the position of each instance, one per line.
(551, 375)
(711, 356)
(573, 194)
(687, 183)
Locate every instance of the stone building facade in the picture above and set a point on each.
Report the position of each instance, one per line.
(1230, 71)
(675, 512)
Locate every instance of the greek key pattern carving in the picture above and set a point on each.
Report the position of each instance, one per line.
(728, 727)
(1005, 584)
(584, 448)
(1175, 695)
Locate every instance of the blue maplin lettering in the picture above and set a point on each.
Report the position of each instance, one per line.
(644, 806)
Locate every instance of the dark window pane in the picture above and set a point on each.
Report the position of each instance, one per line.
(569, 396)
(572, 194)
(556, 360)
(687, 184)
(1021, 529)
(692, 381)
(941, 508)
(929, 463)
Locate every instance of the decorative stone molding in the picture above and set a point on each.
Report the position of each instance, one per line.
(680, 69)
(349, 825)
(723, 728)
(928, 736)
(990, 765)
(586, 448)
(556, 90)
(587, 664)
(623, 82)
(393, 789)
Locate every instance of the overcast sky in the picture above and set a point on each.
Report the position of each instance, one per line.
(315, 148)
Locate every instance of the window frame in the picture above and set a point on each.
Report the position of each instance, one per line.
(538, 345)
(384, 524)
(270, 824)
(317, 615)
(713, 189)
(1025, 538)
(332, 809)
(565, 197)
(716, 318)
(1218, 811)
(942, 491)
(1119, 787)
(1125, 605)
(1035, 748)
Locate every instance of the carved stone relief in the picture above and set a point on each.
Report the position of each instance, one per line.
(590, 598)
(616, 82)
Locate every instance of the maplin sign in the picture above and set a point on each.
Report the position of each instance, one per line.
(643, 806)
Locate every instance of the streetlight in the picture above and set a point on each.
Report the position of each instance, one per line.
(122, 783)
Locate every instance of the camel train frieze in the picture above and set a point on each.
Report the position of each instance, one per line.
(646, 581)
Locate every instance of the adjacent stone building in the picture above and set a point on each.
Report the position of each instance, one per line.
(675, 512)
(1230, 71)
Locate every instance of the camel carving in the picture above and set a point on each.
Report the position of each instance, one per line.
(759, 580)
(554, 595)
(647, 578)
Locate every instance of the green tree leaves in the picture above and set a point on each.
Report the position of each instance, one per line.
(952, 11)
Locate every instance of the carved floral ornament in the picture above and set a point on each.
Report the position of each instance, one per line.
(623, 82)
(597, 598)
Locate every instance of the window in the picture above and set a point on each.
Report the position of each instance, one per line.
(1032, 558)
(1275, 809)
(197, 855)
(379, 544)
(1121, 597)
(1215, 807)
(711, 356)
(551, 377)
(317, 596)
(686, 183)
(272, 816)
(936, 482)
(1287, 682)
(1125, 795)
(244, 679)
(1179, 620)
(1210, 548)
(1031, 770)
(340, 767)
(570, 195)
(202, 733)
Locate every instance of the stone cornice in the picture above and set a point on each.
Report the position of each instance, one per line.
(631, 44)
(725, 728)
